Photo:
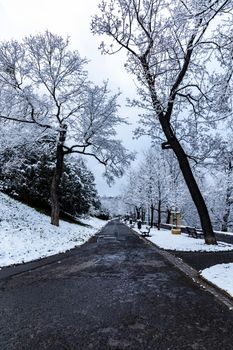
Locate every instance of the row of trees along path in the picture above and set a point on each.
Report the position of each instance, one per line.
(168, 44)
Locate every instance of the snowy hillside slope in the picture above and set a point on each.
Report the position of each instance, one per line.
(26, 234)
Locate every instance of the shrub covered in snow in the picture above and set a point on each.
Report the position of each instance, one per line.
(26, 172)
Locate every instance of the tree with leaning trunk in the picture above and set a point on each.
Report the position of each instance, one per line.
(45, 84)
(169, 44)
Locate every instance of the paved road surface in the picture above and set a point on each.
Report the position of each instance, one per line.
(203, 260)
(115, 293)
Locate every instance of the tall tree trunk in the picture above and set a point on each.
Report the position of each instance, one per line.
(172, 141)
(159, 214)
(228, 203)
(190, 182)
(143, 214)
(56, 181)
(152, 215)
(138, 212)
(225, 218)
(168, 216)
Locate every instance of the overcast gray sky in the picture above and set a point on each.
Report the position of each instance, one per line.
(72, 17)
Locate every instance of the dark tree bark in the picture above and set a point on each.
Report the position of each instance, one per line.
(159, 214)
(137, 212)
(57, 176)
(143, 214)
(224, 227)
(225, 219)
(228, 200)
(174, 144)
(168, 216)
(190, 182)
(152, 215)
(144, 52)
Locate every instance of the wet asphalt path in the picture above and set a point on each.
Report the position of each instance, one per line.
(115, 293)
(203, 260)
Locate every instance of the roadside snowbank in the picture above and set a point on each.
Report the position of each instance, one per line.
(164, 239)
(221, 276)
(26, 234)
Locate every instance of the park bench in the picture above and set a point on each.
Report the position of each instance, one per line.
(194, 232)
(145, 233)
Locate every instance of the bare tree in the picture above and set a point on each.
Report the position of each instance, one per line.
(155, 178)
(45, 84)
(151, 185)
(169, 45)
(219, 183)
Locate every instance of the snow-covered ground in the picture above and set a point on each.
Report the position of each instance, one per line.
(220, 275)
(222, 232)
(225, 233)
(165, 240)
(26, 234)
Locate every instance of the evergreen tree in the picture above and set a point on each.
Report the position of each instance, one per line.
(26, 172)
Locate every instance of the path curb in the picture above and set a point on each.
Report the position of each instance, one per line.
(189, 271)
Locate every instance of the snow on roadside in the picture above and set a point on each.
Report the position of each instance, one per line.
(164, 239)
(224, 233)
(26, 234)
(221, 276)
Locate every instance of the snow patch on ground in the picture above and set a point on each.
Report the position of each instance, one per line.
(224, 233)
(26, 234)
(221, 276)
(166, 240)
